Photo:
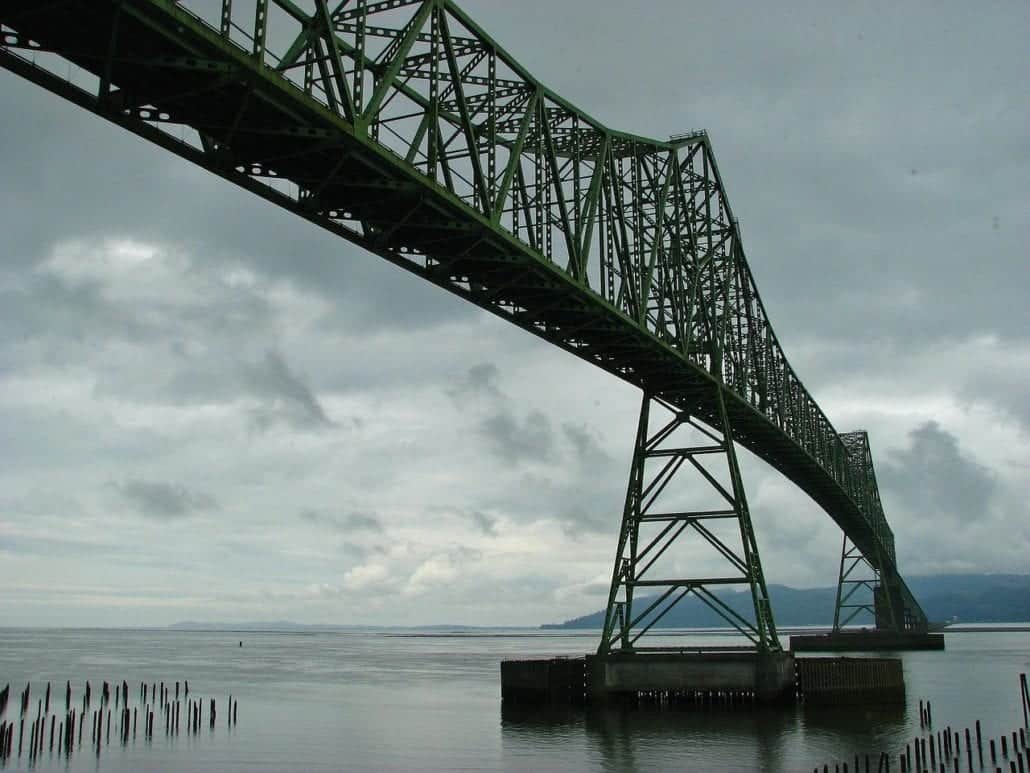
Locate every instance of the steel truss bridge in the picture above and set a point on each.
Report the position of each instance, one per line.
(401, 126)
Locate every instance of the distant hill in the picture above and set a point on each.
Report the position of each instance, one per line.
(971, 598)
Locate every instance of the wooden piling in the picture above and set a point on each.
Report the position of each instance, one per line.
(1025, 695)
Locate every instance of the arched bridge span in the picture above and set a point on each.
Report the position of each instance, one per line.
(402, 126)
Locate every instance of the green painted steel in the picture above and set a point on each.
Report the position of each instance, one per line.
(403, 127)
(856, 586)
(657, 515)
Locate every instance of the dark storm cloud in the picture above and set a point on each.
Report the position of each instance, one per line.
(289, 399)
(166, 501)
(349, 523)
(934, 478)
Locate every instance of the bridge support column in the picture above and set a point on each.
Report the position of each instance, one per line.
(856, 587)
(861, 586)
(892, 613)
(709, 518)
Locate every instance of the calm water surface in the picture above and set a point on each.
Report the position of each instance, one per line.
(391, 702)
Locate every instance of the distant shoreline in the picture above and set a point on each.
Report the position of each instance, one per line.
(470, 631)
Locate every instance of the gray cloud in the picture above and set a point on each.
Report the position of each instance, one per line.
(479, 380)
(934, 478)
(165, 501)
(290, 399)
(513, 441)
(586, 444)
(485, 523)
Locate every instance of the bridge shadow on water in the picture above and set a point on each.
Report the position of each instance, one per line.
(656, 738)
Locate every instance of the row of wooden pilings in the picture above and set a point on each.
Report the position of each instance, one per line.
(948, 750)
(157, 703)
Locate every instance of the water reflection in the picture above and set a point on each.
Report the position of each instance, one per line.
(637, 737)
(619, 737)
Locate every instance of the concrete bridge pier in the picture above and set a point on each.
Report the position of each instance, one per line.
(703, 679)
(765, 678)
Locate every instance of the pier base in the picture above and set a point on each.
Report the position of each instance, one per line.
(866, 641)
(708, 679)
(730, 677)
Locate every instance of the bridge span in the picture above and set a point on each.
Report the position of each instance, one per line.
(403, 127)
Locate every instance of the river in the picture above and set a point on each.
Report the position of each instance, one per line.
(387, 700)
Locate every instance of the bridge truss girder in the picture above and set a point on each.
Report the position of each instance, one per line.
(403, 127)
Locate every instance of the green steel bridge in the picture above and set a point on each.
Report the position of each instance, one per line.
(403, 127)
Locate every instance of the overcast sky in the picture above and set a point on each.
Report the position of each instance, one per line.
(211, 410)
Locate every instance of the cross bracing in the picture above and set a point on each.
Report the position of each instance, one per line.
(403, 127)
